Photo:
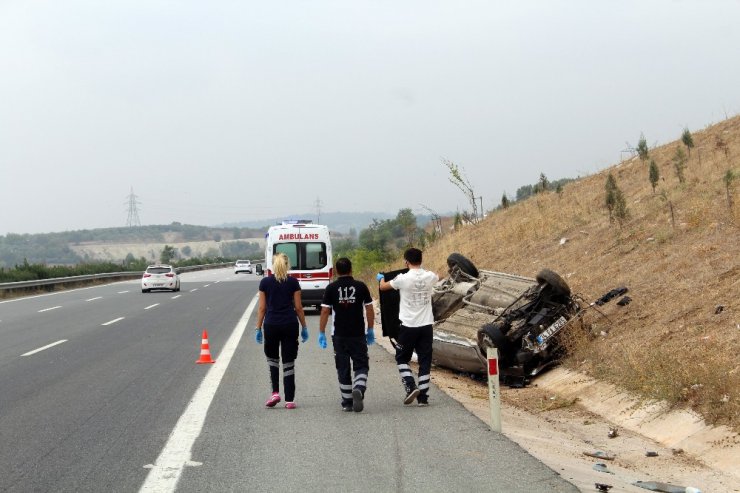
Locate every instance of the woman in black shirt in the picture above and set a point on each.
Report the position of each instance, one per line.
(280, 310)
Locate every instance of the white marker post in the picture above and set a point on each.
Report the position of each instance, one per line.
(494, 394)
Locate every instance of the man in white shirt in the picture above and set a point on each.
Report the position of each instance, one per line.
(415, 313)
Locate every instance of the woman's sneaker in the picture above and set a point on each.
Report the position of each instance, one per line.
(290, 405)
(273, 400)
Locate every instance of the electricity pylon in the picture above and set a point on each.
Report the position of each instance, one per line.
(133, 211)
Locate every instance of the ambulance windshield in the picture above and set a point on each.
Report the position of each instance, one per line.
(304, 255)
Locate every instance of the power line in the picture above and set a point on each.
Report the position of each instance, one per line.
(133, 211)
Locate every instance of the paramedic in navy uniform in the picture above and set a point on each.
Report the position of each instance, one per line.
(415, 312)
(349, 302)
(280, 309)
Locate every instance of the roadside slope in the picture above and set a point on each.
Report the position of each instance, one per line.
(678, 253)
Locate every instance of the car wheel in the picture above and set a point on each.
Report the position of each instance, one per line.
(492, 335)
(462, 263)
(558, 284)
(144, 290)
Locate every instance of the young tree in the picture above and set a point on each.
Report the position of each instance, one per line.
(621, 213)
(729, 177)
(654, 174)
(543, 184)
(687, 140)
(667, 199)
(461, 181)
(610, 199)
(504, 201)
(615, 201)
(642, 148)
(679, 162)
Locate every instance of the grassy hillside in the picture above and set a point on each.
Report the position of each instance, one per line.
(679, 339)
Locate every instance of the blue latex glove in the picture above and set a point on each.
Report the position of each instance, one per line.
(322, 340)
(304, 334)
(370, 336)
(380, 276)
(258, 336)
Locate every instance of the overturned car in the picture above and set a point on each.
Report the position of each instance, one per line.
(475, 309)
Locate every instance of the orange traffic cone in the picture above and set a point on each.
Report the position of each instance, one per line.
(205, 351)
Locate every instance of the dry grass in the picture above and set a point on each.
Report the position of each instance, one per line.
(668, 343)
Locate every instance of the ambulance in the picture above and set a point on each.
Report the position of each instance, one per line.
(308, 248)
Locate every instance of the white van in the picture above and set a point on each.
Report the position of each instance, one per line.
(308, 248)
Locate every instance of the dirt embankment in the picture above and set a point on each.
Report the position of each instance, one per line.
(664, 370)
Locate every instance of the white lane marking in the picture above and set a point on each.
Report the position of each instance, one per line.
(151, 306)
(216, 282)
(206, 285)
(45, 347)
(192, 290)
(23, 298)
(113, 321)
(122, 292)
(49, 309)
(175, 297)
(96, 298)
(175, 455)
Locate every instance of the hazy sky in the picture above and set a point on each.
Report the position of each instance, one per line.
(224, 111)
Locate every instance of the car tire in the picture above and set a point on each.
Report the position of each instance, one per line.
(492, 335)
(463, 263)
(557, 283)
(144, 290)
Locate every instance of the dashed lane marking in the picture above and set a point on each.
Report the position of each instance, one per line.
(113, 321)
(151, 306)
(96, 298)
(49, 309)
(44, 347)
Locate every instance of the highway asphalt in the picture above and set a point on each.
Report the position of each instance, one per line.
(99, 390)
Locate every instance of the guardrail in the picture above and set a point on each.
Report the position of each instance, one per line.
(51, 284)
